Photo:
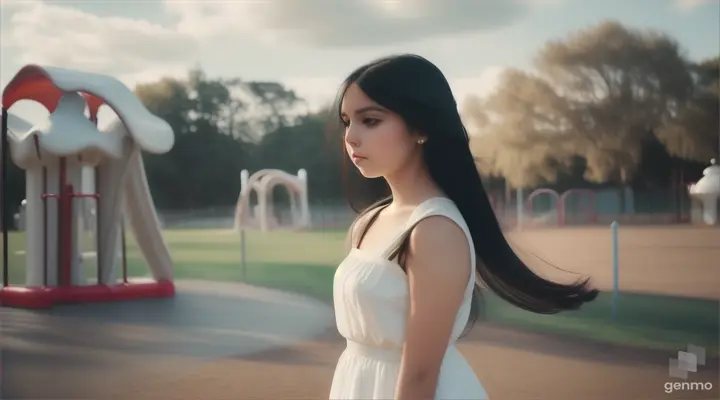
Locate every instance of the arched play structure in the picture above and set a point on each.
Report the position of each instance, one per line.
(558, 212)
(261, 216)
(551, 215)
(56, 154)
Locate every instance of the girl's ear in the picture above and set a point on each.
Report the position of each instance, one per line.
(420, 137)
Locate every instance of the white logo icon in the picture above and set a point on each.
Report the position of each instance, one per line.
(687, 361)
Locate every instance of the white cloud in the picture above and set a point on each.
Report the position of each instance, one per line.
(689, 5)
(131, 48)
(345, 23)
(110, 45)
(317, 91)
(481, 85)
(135, 50)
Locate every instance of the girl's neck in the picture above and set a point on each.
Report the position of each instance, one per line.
(411, 186)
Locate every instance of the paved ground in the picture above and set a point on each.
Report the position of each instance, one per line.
(89, 351)
(512, 366)
(244, 357)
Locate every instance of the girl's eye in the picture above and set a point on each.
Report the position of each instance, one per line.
(371, 121)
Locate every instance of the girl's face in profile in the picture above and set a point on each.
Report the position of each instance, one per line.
(377, 140)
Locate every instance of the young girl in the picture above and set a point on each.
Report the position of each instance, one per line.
(405, 292)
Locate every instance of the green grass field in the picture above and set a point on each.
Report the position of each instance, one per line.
(305, 262)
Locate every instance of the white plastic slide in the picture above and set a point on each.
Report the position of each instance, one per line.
(143, 219)
(139, 209)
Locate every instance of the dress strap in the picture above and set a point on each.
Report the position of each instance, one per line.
(361, 226)
(429, 207)
(432, 207)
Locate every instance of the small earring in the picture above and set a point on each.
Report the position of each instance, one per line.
(421, 141)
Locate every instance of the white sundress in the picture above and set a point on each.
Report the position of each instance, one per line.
(371, 297)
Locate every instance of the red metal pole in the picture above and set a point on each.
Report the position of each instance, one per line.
(97, 200)
(64, 239)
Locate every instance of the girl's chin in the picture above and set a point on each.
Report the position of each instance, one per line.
(368, 173)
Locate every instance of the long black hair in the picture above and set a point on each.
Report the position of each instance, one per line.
(416, 90)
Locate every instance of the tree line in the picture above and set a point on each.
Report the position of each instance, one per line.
(605, 105)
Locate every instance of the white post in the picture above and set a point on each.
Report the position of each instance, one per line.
(34, 227)
(244, 176)
(51, 219)
(74, 178)
(304, 199)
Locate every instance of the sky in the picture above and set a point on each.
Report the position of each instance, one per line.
(311, 45)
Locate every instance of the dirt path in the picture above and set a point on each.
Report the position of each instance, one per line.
(513, 366)
(675, 261)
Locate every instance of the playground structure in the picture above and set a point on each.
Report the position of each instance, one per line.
(706, 193)
(262, 216)
(54, 154)
(559, 211)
